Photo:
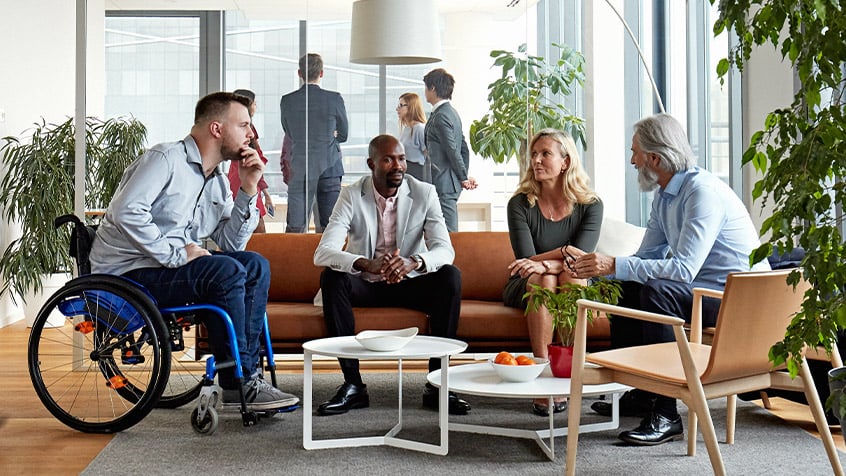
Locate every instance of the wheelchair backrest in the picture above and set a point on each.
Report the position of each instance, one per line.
(81, 240)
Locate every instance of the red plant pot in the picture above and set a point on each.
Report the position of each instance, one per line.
(560, 360)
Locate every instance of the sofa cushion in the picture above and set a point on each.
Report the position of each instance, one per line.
(618, 238)
(293, 275)
(483, 258)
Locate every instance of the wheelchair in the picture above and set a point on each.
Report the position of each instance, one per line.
(116, 355)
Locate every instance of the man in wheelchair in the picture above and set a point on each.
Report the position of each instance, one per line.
(172, 199)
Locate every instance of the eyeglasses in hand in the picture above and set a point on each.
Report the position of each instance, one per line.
(568, 258)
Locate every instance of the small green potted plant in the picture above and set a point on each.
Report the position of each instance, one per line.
(561, 304)
(38, 186)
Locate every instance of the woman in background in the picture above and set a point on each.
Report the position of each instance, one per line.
(412, 121)
(553, 218)
(263, 202)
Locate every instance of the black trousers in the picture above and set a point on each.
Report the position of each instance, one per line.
(660, 296)
(438, 294)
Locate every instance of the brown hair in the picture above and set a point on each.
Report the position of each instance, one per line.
(442, 82)
(215, 105)
(311, 65)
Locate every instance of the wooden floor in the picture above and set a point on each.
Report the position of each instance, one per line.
(33, 442)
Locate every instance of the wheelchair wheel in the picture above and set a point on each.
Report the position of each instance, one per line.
(186, 372)
(106, 367)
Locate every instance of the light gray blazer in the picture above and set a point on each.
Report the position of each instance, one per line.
(420, 227)
(444, 139)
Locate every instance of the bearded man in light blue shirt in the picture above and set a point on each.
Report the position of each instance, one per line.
(698, 232)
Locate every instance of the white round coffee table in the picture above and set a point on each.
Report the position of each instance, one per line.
(482, 380)
(420, 347)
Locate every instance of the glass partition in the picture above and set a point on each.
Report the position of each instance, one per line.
(159, 63)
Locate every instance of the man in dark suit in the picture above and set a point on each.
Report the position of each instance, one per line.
(316, 121)
(386, 245)
(446, 146)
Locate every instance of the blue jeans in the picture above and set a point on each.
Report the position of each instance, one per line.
(237, 282)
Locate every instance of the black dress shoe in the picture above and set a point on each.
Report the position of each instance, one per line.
(457, 406)
(632, 403)
(348, 397)
(654, 430)
(543, 410)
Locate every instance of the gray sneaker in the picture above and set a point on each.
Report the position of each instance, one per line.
(259, 396)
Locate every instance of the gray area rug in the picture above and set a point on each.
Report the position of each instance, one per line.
(164, 442)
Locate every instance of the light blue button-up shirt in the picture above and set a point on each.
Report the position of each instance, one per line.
(698, 232)
(165, 202)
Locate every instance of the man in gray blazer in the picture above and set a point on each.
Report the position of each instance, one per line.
(398, 254)
(446, 146)
(316, 121)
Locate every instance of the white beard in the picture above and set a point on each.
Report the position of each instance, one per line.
(647, 179)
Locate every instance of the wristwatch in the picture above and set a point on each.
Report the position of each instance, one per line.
(417, 259)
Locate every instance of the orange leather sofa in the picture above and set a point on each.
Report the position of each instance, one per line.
(486, 324)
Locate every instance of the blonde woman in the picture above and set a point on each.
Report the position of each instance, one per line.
(412, 121)
(553, 218)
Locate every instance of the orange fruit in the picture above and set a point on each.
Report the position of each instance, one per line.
(505, 358)
(524, 360)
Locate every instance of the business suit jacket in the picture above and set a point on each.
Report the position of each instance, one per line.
(444, 139)
(326, 115)
(420, 227)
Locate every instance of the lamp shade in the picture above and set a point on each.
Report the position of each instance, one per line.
(395, 32)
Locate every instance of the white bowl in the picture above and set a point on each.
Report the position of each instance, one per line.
(386, 341)
(519, 373)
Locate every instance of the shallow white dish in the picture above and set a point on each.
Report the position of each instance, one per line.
(386, 341)
(519, 373)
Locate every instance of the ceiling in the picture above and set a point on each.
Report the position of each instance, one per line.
(320, 10)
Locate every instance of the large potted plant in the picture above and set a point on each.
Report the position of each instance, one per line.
(561, 304)
(801, 153)
(38, 186)
(526, 99)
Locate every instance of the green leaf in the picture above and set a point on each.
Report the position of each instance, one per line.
(527, 97)
(722, 67)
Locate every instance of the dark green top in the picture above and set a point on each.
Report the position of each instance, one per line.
(531, 233)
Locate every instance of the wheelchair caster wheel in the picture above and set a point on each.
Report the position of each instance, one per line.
(206, 425)
(249, 418)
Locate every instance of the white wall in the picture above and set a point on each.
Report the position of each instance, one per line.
(37, 59)
(767, 85)
(603, 40)
(38, 62)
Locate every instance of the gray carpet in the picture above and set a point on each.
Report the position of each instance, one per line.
(164, 442)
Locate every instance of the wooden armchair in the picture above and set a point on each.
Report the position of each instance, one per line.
(736, 361)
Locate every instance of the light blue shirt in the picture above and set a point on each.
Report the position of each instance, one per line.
(698, 232)
(164, 202)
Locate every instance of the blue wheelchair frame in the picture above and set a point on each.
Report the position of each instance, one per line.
(204, 417)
